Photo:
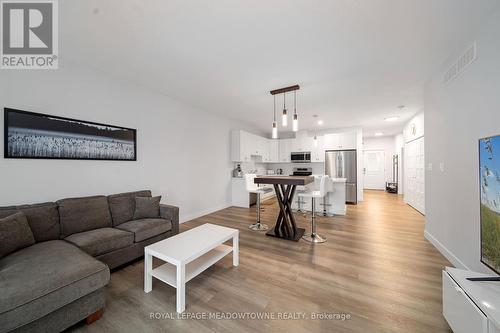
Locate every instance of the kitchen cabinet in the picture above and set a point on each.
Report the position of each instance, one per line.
(302, 142)
(244, 145)
(274, 156)
(241, 146)
(285, 148)
(340, 141)
(318, 151)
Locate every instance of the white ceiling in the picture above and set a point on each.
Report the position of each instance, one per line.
(356, 61)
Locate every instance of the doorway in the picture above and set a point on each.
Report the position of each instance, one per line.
(374, 169)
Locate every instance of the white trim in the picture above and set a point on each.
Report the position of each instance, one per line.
(192, 216)
(445, 252)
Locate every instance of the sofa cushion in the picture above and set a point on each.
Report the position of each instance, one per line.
(43, 219)
(42, 278)
(100, 241)
(147, 208)
(15, 234)
(83, 214)
(146, 228)
(122, 205)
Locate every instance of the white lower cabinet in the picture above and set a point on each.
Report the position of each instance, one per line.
(470, 306)
(462, 314)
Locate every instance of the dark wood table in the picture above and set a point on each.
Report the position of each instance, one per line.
(285, 186)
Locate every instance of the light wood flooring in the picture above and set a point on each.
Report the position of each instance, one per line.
(376, 267)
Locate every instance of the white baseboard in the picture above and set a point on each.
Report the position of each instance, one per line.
(445, 251)
(192, 216)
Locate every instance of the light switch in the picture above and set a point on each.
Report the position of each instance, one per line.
(441, 166)
(429, 167)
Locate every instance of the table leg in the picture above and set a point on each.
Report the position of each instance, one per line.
(285, 227)
(236, 249)
(148, 267)
(181, 288)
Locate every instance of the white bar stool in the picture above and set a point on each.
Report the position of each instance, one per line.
(254, 188)
(313, 236)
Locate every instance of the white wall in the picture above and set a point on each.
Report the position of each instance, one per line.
(183, 153)
(456, 116)
(387, 144)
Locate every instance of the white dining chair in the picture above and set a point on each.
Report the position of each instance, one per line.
(255, 189)
(313, 236)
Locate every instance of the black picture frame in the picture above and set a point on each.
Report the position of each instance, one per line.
(9, 155)
(481, 217)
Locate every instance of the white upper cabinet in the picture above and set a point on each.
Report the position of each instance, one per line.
(348, 140)
(336, 141)
(318, 151)
(274, 155)
(302, 142)
(285, 148)
(247, 147)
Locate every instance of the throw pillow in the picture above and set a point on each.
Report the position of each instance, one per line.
(15, 234)
(146, 207)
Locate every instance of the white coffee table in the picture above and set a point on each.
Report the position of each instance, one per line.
(187, 255)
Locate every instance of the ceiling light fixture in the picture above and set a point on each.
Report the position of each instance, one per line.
(275, 126)
(284, 118)
(379, 133)
(394, 118)
(295, 122)
(320, 122)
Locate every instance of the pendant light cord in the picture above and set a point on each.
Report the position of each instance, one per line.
(295, 102)
(274, 114)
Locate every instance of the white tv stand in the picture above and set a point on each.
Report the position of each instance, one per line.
(470, 306)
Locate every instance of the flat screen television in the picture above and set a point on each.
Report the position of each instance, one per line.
(489, 180)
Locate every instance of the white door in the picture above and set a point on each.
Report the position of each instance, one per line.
(414, 174)
(374, 170)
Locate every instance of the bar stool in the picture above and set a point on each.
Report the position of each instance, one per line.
(313, 236)
(253, 188)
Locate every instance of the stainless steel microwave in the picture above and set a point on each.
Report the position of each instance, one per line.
(301, 157)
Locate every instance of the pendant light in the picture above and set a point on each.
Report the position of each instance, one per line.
(284, 118)
(275, 126)
(295, 122)
(315, 139)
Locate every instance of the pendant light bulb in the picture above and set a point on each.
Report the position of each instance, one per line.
(284, 118)
(275, 130)
(274, 133)
(295, 121)
(315, 141)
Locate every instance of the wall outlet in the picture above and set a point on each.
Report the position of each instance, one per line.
(441, 166)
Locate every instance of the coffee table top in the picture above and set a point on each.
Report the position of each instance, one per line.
(189, 245)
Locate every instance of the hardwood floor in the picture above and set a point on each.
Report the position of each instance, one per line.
(375, 267)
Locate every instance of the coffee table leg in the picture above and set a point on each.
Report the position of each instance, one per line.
(148, 267)
(181, 288)
(236, 249)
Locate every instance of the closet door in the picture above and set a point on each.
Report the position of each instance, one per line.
(415, 174)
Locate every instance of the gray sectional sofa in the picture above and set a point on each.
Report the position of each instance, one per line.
(59, 280)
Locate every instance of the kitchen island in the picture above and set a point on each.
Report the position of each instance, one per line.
(334, 202)
(284, 187)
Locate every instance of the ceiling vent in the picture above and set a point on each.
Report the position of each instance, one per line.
(462, 62)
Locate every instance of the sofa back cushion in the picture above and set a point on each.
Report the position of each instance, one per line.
(15, 234)
(122, 205)
(83, 214)
(43, 219)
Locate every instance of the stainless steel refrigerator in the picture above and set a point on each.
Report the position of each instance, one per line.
(342, 164)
